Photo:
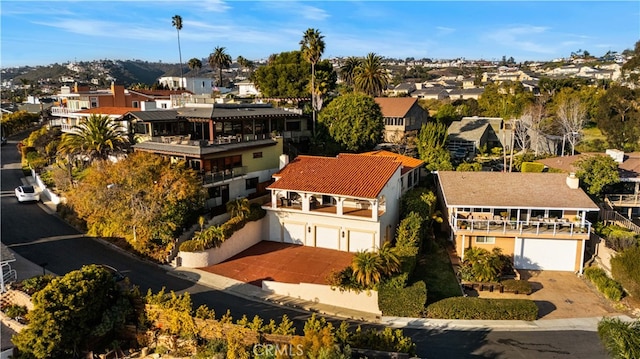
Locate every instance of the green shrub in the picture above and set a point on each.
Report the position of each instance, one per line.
(481, 308)
(256, 212)
(192, 245)
(36, 284)
(405, 302)
(532, 167)
(625, 268)
(14, 310)
(518, 286)
(232, 225)
(388, 340)
(344, 280)
(398, 281)
(605, 285)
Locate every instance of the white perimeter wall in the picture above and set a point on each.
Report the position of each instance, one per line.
(317, 293)
(248, 236)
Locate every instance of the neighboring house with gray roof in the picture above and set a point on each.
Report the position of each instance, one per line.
(431, 93)
(467, 136)
(515, 212)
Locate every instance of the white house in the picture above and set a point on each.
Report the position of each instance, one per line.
(349, 203)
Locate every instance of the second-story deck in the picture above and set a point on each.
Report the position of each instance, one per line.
(325, 209)
(561, 227)
(623, 200)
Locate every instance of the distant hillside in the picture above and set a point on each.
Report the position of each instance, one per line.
(125, 72)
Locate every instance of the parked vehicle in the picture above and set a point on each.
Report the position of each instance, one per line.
(117, 276)
(27, 194)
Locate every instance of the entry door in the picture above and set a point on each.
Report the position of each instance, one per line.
(224, 192)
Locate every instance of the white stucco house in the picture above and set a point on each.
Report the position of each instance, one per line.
(349, 203)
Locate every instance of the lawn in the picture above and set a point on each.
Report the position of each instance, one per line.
(434, 267)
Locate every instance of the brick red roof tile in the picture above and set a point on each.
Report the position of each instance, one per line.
(350, 175)
(395, 106)
(408, 163)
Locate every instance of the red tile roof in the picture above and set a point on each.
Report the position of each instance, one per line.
(395, 106)
(408, 163)
(109, 110)
(347, 175)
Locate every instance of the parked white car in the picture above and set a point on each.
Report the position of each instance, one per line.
(27, 194)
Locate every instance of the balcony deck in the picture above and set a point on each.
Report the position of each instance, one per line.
(623, 200)
(546, 228)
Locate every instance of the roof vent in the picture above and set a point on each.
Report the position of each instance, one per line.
(572, 181)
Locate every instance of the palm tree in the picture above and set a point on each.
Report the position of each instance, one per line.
(210, 237)
(621, 339)
(389, 258)
(95, 137)
(238, 207)
(367, 268)
(176, 21)
(246, 63)
(371, 77)
(312, 47)
(348, 70)
(221, 60)
(194, 64)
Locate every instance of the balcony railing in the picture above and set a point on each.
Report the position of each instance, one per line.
(221, 176)
(554, 227)
(619, 200)
(219, 140)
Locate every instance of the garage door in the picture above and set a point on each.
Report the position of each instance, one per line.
(360, 241)
(328, 237)
(549, 254)
(293, 233)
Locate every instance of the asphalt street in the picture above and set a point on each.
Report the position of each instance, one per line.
(46, 239)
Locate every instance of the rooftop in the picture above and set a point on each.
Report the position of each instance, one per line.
(513, 190)
(350, 175)
(395, 106)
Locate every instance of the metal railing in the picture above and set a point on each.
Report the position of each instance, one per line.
(221, 176)
(623, 199)
(547, 227)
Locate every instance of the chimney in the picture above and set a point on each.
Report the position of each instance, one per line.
(572, 181)
(284, 160)
(617, 155)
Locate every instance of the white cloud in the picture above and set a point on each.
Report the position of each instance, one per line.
(522, 37)
(443, 30)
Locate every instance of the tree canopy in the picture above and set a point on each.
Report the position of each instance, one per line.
(431, 147)
(354, 121)
(619, 117)
(287, 74)
(72, 312)
(506, 100)
(596, 172)
(143, 198)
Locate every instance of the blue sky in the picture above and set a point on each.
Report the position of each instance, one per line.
(42, 33)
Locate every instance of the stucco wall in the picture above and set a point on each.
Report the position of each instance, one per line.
(248, 236)
(312, 219)
(317, 293)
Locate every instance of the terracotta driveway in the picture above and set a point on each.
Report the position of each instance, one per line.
(281, 262)
(560, 295)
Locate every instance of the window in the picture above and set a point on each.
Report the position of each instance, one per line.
(134, 104)
(257, 155)
(94, 102)
(555, 213)
(214, 192)
(485, 240)
(482, 210)
(252, 183)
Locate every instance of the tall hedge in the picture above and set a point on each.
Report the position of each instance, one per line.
(402, 302)
(482, 308)
(625, 268)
